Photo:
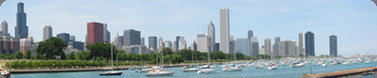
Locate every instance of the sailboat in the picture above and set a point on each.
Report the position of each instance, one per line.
(112, 72)
(207, 68)
(232, 67)
(159, 71)
(192, 67)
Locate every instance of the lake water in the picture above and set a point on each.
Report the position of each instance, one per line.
(247, 72)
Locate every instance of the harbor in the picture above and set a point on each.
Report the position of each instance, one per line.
(309, 69)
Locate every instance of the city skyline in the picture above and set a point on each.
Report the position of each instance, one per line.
(236, 28)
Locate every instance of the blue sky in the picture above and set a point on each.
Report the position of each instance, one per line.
(353, 21)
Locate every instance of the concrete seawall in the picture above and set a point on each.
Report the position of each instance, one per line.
(345, 73)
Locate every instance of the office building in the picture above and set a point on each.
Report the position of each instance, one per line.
(64, 37)
(333, 46)
(4, 28)
(160, 44)
(224, 30)
(47, 32)
(267, 46)
(250, 34)
(309, 44)
(242, 45)
(95, 32)
(203, 43)
(21, 30)
(131, 37)
(152, 43)
(211, 36)
(254, 46)
(300, 45)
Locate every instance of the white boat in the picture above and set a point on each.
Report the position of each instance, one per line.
(334, 63)
(272, 67)
(346, 62)
(324, 65)
(157, 71)
(112, 72)
(190, 69)
(231, 67)
(4, 73)
(205, 71)
(143, 70)
(259, 66)
(294, 65)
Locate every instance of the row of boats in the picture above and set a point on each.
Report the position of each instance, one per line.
(259, 64)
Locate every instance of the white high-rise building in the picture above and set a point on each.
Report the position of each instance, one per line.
(4, 28)
(182, 44)
(211, 36)
(267, 46)
(203, 43)
(168, 44)
(47, 32)
(224, 30)
(160, 44)
(300, 45)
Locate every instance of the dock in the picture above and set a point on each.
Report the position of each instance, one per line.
(345, 73)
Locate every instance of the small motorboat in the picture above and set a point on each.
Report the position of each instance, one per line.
(5, 73)
(272, 67)
(111, 73)
(231, 67)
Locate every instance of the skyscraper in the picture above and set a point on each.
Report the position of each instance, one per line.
(254, 46)
(176, 46)
(275, 47)
(309, 44)
(242, 45)
(168, 44)
(64, 36)
(21, 30)
(211, 36)
(95, 32)
(300, 45)
(152, 43)
(106, 34)
(47, 32)
(267, 46)
(250, 34)
(333, 46)
(131, 37)
(160, 44)
(4, 28)
(203, 43)
(182, 43)
(224, 30)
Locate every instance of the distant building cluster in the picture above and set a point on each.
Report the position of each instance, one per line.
(132, 42)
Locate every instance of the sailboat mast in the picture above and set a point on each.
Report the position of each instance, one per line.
(112, 55)
(209, 57)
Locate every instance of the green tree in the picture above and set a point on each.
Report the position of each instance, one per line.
(167, 51)
(82, 55)
(71, 55)
(101, 49)
(51, 48)
(28, 54)
(186, 54)
(19, 55)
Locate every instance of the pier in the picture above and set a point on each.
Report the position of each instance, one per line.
(345, 73)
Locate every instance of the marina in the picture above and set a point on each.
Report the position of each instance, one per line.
(250, 70)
